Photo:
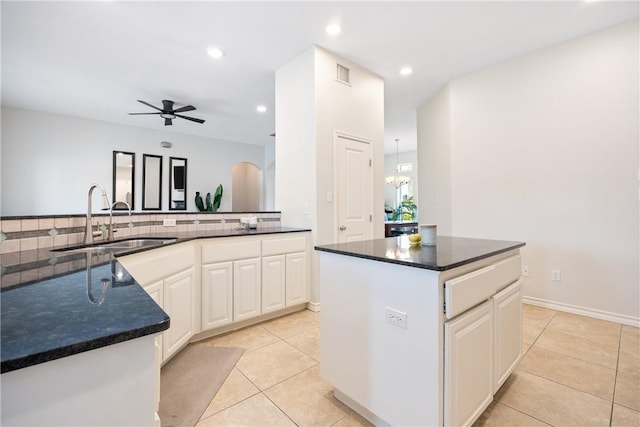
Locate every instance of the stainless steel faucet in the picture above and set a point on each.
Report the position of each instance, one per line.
(111, 230)
(88, 232)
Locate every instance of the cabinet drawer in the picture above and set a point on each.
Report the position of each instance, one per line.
(466, 291)
(229, 251)
(507, 271)
(283, 246)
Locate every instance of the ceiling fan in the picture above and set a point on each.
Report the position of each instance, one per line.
(168, 113)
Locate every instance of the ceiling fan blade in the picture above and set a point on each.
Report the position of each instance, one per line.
(149, 105)
(193, 119)
(137, 114)
(183, 109)
(167, 122)
(167, 105)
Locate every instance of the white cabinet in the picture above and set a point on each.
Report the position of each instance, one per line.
(284, 281)
(179, 298)
(274, 277)
(246, 289)
(297, 284)
(217, 294)
(230, 292)
(507, 306)
(468, 373)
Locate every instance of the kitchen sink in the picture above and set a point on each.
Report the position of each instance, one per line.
(118, 246)
(137, 243)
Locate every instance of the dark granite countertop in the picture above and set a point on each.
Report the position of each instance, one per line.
(449, 252)
(61, 303)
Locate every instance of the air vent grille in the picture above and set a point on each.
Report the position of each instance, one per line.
(343, 74)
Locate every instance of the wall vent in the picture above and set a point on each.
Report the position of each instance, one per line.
(343, 74)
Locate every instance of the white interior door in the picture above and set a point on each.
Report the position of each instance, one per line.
(354, 189)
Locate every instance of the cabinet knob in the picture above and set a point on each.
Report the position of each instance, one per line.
(342, 228)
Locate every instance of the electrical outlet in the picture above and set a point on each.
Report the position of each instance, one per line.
(525, 270)
(169, 222)
(555, 275)
(396, 317)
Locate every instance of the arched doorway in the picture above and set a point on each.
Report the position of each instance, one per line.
(246, 193)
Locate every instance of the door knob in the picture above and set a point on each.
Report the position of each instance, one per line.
(342, 228)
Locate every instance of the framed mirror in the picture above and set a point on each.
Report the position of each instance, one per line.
(151, 182)
(177, 184)
(124, 172)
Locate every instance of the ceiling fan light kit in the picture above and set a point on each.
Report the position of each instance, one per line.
(168, 113)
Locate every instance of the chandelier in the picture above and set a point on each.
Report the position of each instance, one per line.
(397, 180)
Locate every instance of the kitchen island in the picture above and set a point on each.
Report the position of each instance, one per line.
(419, 335)
(85, 347)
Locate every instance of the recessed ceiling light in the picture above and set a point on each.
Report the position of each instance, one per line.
(215, 52)
(405, 71)
(261, 109)
(333, 29)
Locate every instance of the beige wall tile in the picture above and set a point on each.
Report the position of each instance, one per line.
(9, 246)
(61, 222)
(61, 240)
(29, 224)
(45, 242)
(11, 225)
(29, 244)
(46, 223)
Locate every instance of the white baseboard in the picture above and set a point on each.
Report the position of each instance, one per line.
(588, 312)
(313, 306)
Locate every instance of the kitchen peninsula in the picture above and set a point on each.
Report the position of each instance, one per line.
(85, 347)
(419, 335)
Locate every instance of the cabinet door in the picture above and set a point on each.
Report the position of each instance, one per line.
(273, 283)
(217, 294)
(156, 292)
(297, 283)
(468, 365)
(179, 295)
(246, 289)
(507, 306)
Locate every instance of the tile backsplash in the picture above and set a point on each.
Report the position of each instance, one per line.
(44, 232)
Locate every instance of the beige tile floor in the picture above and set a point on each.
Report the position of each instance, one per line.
(576, 371)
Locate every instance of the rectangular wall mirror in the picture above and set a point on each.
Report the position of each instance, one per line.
(177, 183)
(151, 182)
(124, 166)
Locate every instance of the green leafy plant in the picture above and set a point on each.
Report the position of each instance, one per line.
(209, 205)
(407, 210)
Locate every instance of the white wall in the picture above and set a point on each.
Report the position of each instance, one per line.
(310, 107)
(357, 110)
(434, 162)
(49, 161)
(544, 149)
(295, 178)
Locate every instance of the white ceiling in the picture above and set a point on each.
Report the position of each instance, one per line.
(94, 59)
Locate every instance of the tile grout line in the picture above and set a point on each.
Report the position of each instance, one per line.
(615, 376)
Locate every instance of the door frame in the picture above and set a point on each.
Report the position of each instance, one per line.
(346, 135)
